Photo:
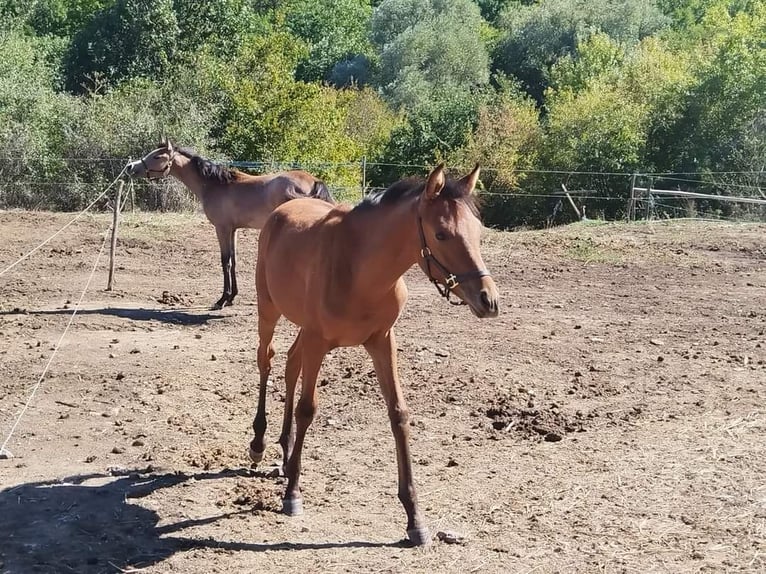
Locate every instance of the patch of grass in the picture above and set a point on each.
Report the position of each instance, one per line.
(588, 251)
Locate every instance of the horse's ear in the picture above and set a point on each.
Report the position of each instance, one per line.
(435, 182)
(169, 145)
(468, 183)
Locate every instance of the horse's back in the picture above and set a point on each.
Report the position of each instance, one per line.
(290, 250)
(304, 215)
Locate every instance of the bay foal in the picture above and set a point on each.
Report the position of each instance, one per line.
(336, 272)
(230, 198)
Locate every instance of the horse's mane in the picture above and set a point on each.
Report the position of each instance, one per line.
(413, 187)
(210, 170)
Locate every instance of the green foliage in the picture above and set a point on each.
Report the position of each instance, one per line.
(687, 15)
(596, 129)
(539, 35)
(335, 31)
(130, 38)
(61, 17)
(430, 49)
(221, 25)
(269, 115)
(723, 110)
(430, 135)
(505, 139)
(34, 119)
(505, 142)
(369, 122)
(593, 86)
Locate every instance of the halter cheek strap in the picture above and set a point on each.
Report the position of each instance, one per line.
(450, 281)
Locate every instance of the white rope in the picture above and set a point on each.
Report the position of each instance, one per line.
(92, 203)
(55, 350)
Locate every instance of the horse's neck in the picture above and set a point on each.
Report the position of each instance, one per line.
(184, 171)
(387, 245)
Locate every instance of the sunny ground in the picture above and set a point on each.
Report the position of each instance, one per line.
(611, 419)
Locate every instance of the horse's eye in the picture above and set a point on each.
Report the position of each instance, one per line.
(441, 236)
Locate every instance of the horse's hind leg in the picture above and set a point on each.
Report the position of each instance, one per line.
(225, 243)
(313, 350)
(382, 349)
(267, 321)
(292, 372)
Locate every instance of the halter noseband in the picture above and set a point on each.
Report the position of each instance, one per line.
(164, 171)
(451, 280)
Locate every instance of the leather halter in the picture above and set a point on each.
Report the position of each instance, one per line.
(164, 172)
(450, 280)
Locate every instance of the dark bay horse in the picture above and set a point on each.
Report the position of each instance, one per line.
(336, 272)
(230, 198)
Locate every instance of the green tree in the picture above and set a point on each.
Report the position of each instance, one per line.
(222, 25)
(335, 31)
(723, 110)
(130, 38)
(430, 134)
(62, 17)
(506, 138)
(430, 50)
(35, 121)
(505, 142)
(268, 115)
(537, 36)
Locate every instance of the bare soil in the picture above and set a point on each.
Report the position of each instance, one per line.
(612, 419)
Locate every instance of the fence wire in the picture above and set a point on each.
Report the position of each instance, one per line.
(534, 197)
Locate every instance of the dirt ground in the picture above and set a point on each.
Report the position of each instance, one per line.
(612, 419)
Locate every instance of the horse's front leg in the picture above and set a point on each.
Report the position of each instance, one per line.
(233, 270)
(382, 349)
(224, 241)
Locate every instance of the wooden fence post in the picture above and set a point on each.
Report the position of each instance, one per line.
(571, 201)
(632, 201)
(115, 219)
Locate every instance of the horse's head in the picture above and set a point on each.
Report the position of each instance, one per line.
(450, 232)
(155, 164)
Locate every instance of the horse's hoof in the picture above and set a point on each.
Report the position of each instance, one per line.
(256, 457)
(292, 506)
(419, 536)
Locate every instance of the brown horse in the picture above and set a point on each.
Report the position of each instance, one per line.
(230, 198)
(337, 273)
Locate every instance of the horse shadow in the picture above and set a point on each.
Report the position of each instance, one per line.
(89, 524)
(172, 316)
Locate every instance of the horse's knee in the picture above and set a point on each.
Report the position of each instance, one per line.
(265, 354)
(399, 416)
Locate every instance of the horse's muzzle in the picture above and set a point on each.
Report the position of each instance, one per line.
(484, 301)
(133, 168)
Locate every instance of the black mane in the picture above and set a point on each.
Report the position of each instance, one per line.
(209, 170)
(413, 187)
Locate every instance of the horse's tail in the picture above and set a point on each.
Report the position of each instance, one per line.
(320, 191)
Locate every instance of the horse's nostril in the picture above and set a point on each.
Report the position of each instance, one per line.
(485, 299)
